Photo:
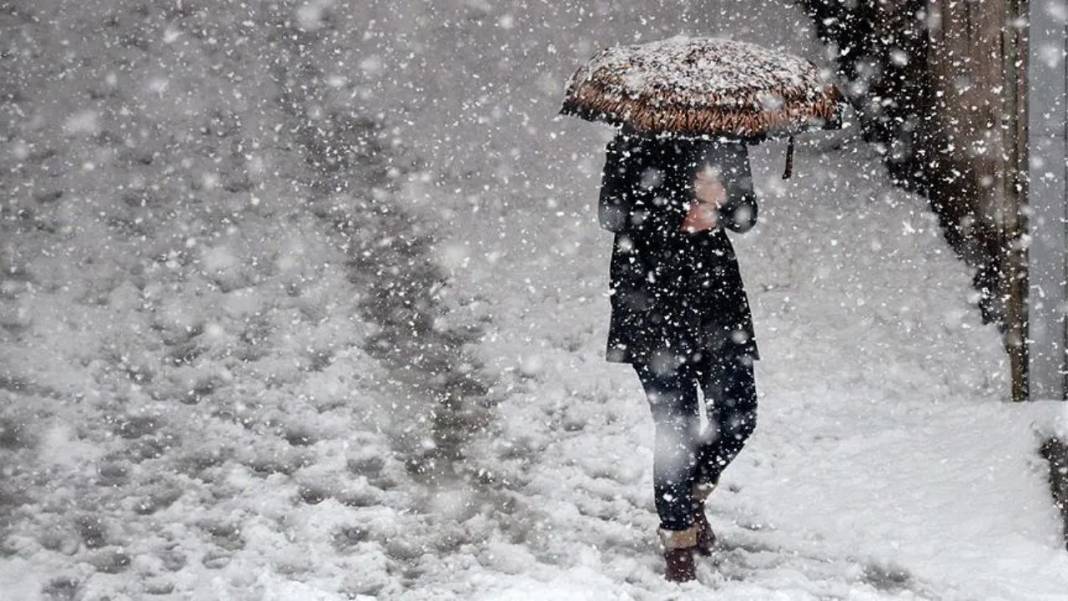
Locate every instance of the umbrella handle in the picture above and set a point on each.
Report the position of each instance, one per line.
(788, 171)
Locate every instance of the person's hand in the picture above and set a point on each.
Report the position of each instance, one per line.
(700, 217)
(708, 187)
(710, 194)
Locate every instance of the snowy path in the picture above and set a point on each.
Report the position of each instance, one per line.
(885, 466)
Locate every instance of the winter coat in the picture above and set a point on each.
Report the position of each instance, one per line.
(675, 295)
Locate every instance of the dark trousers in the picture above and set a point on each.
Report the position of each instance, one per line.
(685, 455)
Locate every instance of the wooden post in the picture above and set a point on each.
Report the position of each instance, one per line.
(1014, 64)
(979, 134)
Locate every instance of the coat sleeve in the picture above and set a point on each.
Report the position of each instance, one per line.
(617, 187)
(635, 178)
(739, 213)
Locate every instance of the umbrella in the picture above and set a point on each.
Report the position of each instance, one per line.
(704, 87)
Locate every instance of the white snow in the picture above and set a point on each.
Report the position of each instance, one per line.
(194, 398)
(886, 463)
(697, 68)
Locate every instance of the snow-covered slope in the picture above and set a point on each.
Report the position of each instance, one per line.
(885, 464)
(264, 264)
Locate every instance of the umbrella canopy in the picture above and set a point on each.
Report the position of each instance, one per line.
(704, 86)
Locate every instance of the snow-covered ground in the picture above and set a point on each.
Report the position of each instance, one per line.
(266, 265)
(885, 463)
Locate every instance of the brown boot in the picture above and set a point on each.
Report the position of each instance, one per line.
(678, 554)
(706, 538)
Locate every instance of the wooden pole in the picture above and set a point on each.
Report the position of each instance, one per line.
(1014, 56)
(980, 137)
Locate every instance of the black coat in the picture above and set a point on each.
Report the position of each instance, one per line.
(675, 295)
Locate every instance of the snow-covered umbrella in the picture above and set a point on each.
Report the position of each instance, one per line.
(704, 87)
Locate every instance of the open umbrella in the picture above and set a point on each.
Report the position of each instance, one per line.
(704, 87)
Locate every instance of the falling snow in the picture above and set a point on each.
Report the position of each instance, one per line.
(307, 300)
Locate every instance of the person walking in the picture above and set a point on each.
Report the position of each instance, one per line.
(680, 315)
(676, 177)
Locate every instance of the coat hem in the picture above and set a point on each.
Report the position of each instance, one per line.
(617, 355)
